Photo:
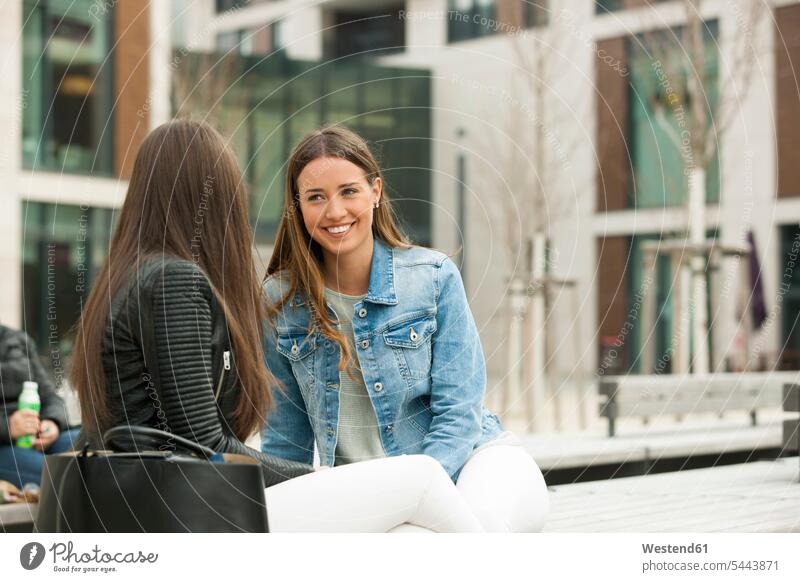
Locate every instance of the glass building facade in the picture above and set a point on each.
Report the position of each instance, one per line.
(271, 103)
(270, 106)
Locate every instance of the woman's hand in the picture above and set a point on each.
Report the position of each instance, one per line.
(23, 422)
(48, 434)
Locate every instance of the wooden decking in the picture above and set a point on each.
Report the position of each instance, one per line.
(762, 496)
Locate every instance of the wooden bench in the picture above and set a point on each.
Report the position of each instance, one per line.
(646, 396)
(791, 426)
(18, 517)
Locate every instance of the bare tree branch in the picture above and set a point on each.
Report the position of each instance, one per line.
(683, 57)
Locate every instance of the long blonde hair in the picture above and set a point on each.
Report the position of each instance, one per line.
(296, 253)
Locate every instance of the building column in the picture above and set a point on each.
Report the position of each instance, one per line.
(12, 101)
(303, 29)
(131, 82)
(747, 197)
(160, 61)
(426, 26)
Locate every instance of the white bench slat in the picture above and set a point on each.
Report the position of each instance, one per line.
(681, 406)
(722, 379)
(696, 392)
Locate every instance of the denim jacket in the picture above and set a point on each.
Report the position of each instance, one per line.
(419, 352)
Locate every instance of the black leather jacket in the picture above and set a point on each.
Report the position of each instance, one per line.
(168, 363)
(19, 362)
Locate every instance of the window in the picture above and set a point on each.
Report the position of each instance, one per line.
(534, 13)
(468, 19)
(63, 247)
(371, 33)
(659, 118)
(276, 36)
(229, 41)
(604, 6)
(67, 84)
(661, 340)
(225, 5)
(263, 40)
(179, 21)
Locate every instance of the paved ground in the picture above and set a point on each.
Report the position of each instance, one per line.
(762, 496)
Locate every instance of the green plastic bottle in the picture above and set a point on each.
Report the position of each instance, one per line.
(28, 400)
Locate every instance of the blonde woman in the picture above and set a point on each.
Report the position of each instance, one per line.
(374, 343)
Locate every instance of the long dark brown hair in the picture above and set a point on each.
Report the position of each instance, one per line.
(185, 199)
(296, 253)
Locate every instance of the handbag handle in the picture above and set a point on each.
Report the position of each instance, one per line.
(129, 438)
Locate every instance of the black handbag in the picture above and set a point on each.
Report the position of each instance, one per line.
(139, 486)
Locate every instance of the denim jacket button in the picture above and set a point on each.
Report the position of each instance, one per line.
(362, 312)
(365, 344)
(389, 428)
(378, 386)
(413, 335)
(330, 431)
(295, 349)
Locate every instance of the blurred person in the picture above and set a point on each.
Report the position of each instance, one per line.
(183, 238)
(375, 343)
(19, 363)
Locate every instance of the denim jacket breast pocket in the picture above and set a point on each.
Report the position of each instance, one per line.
(410, 342)
(299, 347)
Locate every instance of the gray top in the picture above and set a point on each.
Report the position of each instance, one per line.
(358, 433)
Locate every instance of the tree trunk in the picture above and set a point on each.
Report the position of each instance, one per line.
(697, 237)
(538, 387)
(512, 394)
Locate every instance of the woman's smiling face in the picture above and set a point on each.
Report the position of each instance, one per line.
(336, 202)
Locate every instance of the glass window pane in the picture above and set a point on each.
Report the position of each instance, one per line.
(660, 117)
(64, 246)
(660, 340)
(67, 86)
(470, 19)
(343, 92)
(304, 100)
(267, 192)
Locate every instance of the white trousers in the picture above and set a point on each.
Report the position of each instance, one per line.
(504, 487)
(500, 489)
(371, 496)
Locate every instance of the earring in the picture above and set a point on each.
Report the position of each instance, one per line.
(376, 203)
